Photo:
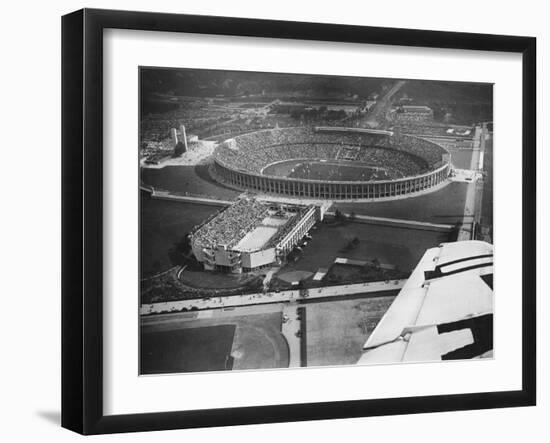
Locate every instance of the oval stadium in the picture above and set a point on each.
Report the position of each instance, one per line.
(331, 163)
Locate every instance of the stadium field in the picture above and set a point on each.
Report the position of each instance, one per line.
(329, 170)
(187, 350)
(337, 330)
(445, 206)
(219, 339)
(259, 343)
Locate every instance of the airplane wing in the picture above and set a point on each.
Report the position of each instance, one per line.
(444, 311)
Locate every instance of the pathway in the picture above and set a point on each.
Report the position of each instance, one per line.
(270, 297)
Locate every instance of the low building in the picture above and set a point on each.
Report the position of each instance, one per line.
(251, 234)
(408, 113)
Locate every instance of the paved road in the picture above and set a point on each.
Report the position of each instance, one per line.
(378, 114)
(165, 195)
(400, 222)
(480, 183)
(270, 297)
(289, 330)
(465, 232)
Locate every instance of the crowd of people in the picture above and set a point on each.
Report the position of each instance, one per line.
(424, 149)
(253, 151)
(230, 225)
(330, 171)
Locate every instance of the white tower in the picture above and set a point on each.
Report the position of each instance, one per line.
(184, 136)
(174, 135)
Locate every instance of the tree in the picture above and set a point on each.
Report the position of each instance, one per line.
(179, 251)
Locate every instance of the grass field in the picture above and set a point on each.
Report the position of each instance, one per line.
(259, 343)
(461, 158)
(205, 348)
(357, 273)
(191, 179)
(397, 246)
(445, 205)
(164, 223)
(337, 330)
(239, 338)
(329, 170)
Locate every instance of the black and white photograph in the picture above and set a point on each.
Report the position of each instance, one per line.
(300, 220)
(265, 222)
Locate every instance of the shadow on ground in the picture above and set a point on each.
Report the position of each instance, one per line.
(54, 417)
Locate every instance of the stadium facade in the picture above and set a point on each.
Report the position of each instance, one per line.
(414, 164)
(251, 234)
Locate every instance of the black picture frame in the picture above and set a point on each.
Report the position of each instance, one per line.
(82, 218)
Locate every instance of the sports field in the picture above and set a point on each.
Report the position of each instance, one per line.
(329, 170)
(205, 348)
(214, 340)
(337, 330)
(259, 343)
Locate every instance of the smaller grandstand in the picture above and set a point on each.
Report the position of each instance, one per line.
(251, 234)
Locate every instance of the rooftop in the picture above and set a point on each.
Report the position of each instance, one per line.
(414, 108)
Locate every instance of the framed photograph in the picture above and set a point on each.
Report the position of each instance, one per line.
(270, 221)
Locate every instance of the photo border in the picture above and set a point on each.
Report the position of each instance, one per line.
(82, 220)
